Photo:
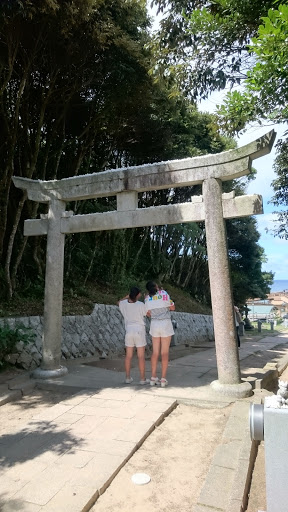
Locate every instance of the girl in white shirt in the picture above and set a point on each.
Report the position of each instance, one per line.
(159, 305)
(134, 313)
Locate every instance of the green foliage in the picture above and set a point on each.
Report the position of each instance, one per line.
(206, 43)
(265, 94)
(10, 337)
(280, 185)
(72, 74)
(236, 111)
(76, 97)
(246, 258)
(209, 45)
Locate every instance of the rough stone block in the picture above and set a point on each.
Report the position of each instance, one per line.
(103, 330)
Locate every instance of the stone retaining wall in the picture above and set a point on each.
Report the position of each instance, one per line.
(102, 331)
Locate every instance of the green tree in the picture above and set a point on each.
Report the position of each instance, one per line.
(205, 44)
(76, 98)
(246, 258)
(265, 96)
(265, 88)
(68, 72)
(280, 185)
(215, 44)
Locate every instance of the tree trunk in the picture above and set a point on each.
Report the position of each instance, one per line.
(10, 245)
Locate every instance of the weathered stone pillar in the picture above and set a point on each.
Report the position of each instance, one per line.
(229, 380)
(52, 331)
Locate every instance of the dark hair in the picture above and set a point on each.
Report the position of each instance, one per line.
(151, 286)
(134, 291)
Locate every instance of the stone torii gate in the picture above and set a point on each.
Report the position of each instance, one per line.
(213, 207)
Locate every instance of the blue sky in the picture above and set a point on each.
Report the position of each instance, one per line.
(276, 249)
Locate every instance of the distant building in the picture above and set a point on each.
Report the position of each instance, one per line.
(275, 306)
(260, 311)
(280, 301)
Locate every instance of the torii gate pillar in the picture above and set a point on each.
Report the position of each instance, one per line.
(229, 379)
(53, 297)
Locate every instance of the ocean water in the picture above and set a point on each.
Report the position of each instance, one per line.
(279, 285)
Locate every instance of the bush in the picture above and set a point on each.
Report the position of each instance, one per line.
(10, 337)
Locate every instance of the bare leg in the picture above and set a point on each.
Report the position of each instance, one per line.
(141, 361)
(128, 359)
(165, 344)
(155, 356)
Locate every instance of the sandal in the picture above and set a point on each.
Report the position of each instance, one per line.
(154, 381)
(164, 382)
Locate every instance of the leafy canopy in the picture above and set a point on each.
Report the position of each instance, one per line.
(265, 89)
(206, 43)
(265, 96)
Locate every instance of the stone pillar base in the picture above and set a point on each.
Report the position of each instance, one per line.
(241, 390)
(39, 373)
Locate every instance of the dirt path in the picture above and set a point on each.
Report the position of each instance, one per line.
(176, 456)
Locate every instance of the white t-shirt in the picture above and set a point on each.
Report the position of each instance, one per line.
(160, 300)
(133, 312)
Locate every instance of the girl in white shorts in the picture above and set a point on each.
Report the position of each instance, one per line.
(134, 313)
(159, 305)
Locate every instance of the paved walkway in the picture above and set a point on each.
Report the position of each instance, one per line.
(66, 457)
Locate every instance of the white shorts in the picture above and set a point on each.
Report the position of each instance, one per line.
(161, 328)
(135, 336)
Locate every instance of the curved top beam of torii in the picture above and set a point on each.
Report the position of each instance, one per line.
(225, 166)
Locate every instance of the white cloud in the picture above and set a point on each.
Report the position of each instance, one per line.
(266, 221)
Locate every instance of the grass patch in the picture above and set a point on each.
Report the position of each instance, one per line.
(80, 301)
(265, 330)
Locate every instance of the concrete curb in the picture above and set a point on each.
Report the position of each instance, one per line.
(232, 463)
(242, 479)
(7, 395)
(22, 384)
(270, 375)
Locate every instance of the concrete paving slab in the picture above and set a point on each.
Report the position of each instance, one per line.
(67, 456)
(9, 396)
(71, 498)
(45, 485)
(22, 506)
